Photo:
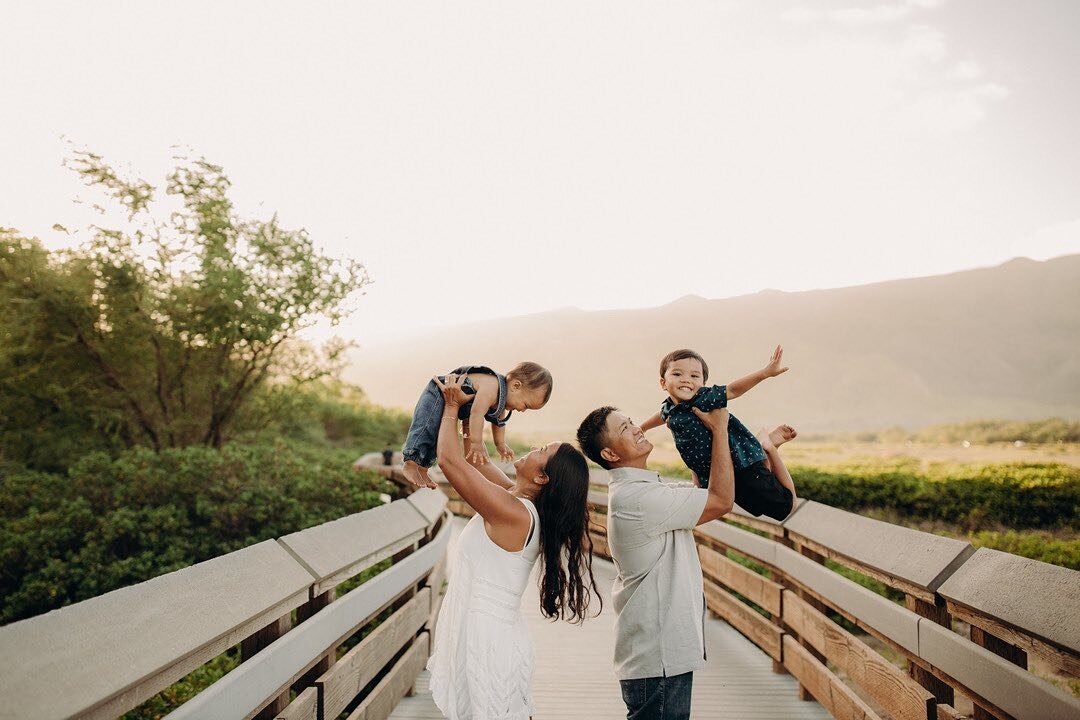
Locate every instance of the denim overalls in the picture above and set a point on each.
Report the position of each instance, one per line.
(424, 431)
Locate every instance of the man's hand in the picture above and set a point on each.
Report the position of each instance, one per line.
(775, 367)
(505, 452)
(716, 420)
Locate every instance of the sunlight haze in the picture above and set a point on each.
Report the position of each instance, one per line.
(491, 159)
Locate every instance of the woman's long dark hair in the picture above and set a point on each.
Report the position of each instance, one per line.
(563, 507)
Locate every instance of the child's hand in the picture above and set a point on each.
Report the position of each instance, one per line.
(505, 452)
(774, 367)
(477, 454)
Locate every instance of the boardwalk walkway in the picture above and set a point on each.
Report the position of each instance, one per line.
(574, 678)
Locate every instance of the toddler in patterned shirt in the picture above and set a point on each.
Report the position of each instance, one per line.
(763, 485)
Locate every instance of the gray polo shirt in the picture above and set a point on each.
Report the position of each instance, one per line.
(658, 592)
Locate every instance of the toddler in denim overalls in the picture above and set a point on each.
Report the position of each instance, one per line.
(496, 397)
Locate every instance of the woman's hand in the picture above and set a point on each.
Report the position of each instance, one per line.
(453, 390)
(505, 452)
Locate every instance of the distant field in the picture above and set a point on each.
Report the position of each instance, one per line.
(820, 453)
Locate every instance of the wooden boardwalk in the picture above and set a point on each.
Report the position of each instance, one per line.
(574, 677)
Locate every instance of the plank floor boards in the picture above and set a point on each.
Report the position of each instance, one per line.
(574, 678)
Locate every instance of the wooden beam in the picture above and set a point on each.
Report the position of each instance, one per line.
(898, 694)
(757, 629)
(757, 588)
(304, 707)
(358, 667)
(836, 697)
(385, 696)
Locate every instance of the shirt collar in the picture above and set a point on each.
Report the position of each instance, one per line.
(631, 474)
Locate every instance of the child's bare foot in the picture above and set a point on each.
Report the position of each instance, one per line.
(780, 435)
(416, 475)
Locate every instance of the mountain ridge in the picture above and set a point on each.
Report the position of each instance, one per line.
(998, 342)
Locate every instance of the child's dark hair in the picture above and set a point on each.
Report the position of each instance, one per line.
(532, 376)
(591, 432)
(684, 354)
(563, 507)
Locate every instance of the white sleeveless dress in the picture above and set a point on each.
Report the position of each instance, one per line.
(482, 664)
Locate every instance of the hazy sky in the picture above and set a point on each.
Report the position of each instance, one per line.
(498, 158)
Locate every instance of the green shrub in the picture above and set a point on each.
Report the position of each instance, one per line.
(1034, 545)
(1015, 495)
(109, 523)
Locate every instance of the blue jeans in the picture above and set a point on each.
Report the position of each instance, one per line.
(423, 435)
(658, 698)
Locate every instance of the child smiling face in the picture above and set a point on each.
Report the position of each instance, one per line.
(682, 379)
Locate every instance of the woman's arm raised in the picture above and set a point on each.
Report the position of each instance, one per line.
(497, 506)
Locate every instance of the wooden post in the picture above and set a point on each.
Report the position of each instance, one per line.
(940, 614)
(252, 644)
(996, 645)
(804, 693)
(304, 612)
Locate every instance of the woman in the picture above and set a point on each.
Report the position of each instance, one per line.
(482, 664)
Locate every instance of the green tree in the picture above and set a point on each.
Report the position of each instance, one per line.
(158, 332)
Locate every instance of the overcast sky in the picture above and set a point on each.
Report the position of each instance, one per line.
(596, 154)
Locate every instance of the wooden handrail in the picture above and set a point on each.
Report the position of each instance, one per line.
(104, 656)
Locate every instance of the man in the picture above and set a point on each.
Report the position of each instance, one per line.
(658, 593)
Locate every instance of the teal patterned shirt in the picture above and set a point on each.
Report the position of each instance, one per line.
(694, 441)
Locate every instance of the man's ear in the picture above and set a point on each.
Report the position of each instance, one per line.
(610, 455)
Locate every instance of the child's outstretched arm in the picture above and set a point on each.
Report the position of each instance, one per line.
(485, 397)
(498, 434)
(735, 388)
(653, 421)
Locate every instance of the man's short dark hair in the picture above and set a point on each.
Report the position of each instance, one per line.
(684, 354)
(592, 435)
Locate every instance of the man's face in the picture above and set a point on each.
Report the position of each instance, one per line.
(683, 378)
(624, 441)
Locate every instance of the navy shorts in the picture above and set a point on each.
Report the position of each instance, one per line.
(758, 492)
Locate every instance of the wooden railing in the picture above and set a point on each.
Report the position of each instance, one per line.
(1012, 605)
(104, 656)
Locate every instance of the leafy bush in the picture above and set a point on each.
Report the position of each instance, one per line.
(109, 522)
(1035, 545)
(1015, 495)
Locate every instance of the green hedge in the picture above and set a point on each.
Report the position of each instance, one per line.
(108, 523)
(1018, 495)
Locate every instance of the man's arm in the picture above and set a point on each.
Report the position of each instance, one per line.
(651, 422)
(735, 388)
(722, 473)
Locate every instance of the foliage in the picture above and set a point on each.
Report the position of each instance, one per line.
(1040, 546)
(157, 333)
(186, 688)
(1020, 495)
(109, 523)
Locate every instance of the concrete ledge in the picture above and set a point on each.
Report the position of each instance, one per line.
(128, 644)
(1010, 687)
(247, 688)
(746, 542)
(337, 550)
(429, 503)
(894, 622)
(918, 558)
(1002, 586)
